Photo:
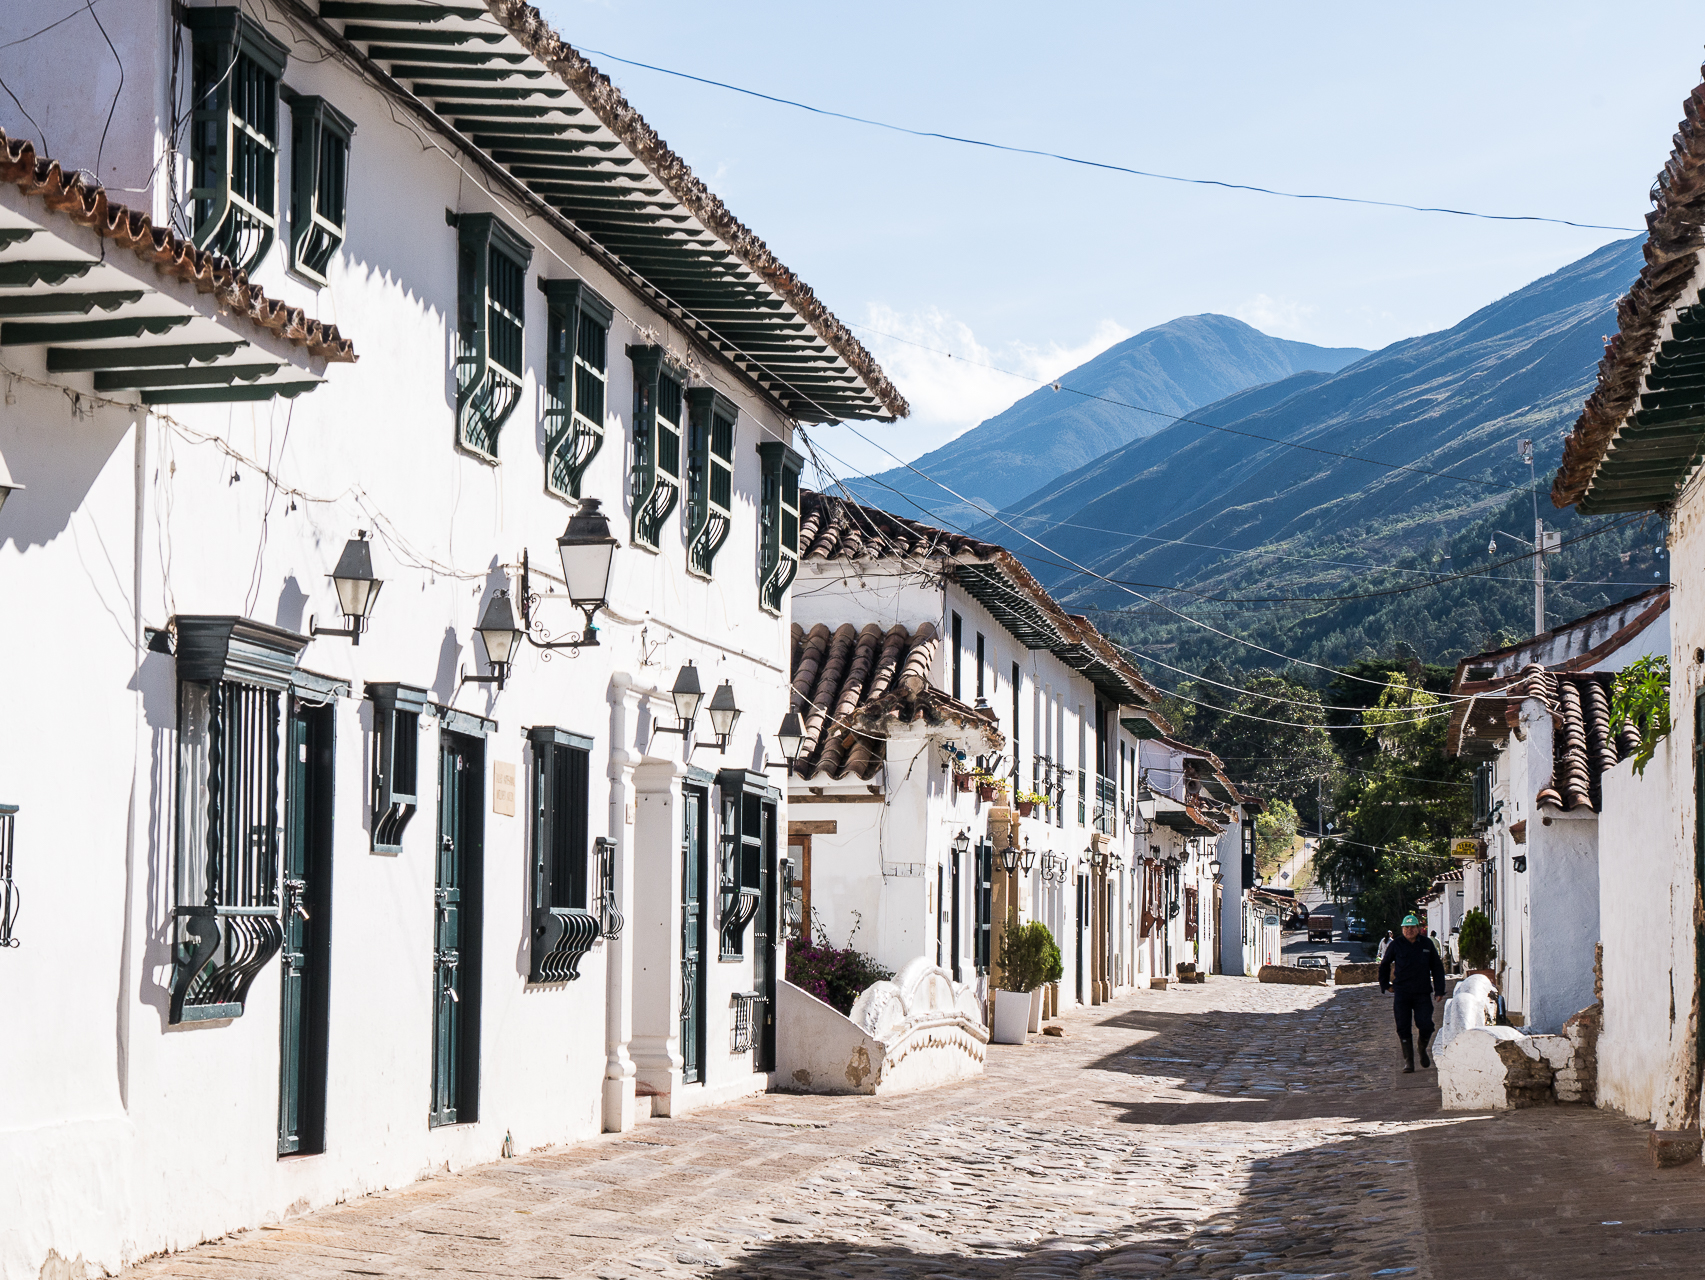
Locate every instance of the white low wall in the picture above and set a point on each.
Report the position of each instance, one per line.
(920, 1030)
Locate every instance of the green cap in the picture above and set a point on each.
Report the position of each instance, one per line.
(1411, 919)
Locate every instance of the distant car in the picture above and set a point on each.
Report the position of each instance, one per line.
(1320, 926)
(1355, 930)
(1315, 961)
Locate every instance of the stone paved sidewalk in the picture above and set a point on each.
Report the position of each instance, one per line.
(1227, 1130)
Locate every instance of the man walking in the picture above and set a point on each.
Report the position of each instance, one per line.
(1412, 971)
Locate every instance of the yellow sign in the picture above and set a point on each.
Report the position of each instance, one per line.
(1468, 849)
(503, 788)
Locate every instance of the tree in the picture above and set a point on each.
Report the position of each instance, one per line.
(1400, 808)
(1275, 831)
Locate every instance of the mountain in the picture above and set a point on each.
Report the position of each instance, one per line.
(1172, 368)
(1173, 509)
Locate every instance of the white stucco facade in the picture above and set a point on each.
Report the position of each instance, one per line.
(126, 1132)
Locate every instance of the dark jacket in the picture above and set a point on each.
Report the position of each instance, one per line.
(1412, 966)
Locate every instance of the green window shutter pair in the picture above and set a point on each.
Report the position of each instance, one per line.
(576, 373)
(778, 524)
(490, 324)
(710, 476)
(658, 379)
(319, 184)
(235, 68)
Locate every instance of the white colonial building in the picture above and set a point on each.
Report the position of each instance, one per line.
(973, 752)
(309, 890)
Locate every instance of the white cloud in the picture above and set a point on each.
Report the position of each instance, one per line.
(1276, 316)
(951, 380)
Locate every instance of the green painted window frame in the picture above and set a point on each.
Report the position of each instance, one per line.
(236, 67)
(711, 424)
(577, 345)
(750, 813)
(566, 890)
(659, 382)
(491, 331)
(320, 138)
(778, 524)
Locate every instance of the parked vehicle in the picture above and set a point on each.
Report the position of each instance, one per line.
(1355, 930)
(1315, 961)
(1320, 926)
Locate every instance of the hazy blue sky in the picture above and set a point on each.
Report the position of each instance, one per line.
(1565, 110)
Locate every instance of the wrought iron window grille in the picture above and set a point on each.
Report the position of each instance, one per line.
(236, 66)
(655, 482)
(610, 917)
(710, 476)
(10, 898)
(568, 912)
(778, 523)
(319, 184)
(397, 709)
(226, 921)
(491, 273)
(747, 1007)
(576, 380)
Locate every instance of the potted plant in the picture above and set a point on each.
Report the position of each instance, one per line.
(963, 780)
(1029, 959)
(1027, 801)
(989, 787)
(1474, 943)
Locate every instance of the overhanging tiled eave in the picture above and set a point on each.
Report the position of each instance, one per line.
(98, 316)
(1108, 680)
(460, 67)
(1662, 440)
(1029, 622)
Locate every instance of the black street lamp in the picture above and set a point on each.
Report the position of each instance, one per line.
(357, 589)
(790, 737)
(498, 632)
(588, 552)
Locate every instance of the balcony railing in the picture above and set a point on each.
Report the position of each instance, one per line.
(561, 938)
(1106, 805)
(747, 1008)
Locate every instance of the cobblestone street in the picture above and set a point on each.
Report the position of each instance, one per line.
(1226, 1130)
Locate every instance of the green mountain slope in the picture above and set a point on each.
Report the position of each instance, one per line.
(1171, 368)
(1179, 510)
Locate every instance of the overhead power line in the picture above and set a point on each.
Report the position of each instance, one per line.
(1105, 165)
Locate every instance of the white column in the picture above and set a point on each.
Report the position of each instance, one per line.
(625, 702)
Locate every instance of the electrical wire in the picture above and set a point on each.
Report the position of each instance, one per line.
(1099, 164)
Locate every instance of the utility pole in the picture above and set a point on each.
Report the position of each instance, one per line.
(1543, 544)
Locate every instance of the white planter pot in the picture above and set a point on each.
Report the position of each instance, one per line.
(1012, 1017)
(1036, 1010)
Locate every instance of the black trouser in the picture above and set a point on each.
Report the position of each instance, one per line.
(1416, 1004)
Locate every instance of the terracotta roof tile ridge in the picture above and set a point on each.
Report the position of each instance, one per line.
(1675, 232)
(605, 101)
(86, 203)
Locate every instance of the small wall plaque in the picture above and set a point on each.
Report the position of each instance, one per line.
(503, 788)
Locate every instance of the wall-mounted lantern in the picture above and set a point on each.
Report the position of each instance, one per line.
(588, 552)
(790, 737)
(1009, 858)
(1097, 859)
(1214, 868)
(8, 486)
(357, 589)
(1519, 862)
(498, 632)
(962, 842)
(724, 714)
(1027, 856)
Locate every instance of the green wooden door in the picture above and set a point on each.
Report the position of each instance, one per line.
(766, 927)
(455, 977)
(306, 904)
(694, 975)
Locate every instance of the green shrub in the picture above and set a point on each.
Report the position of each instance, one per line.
(1640, 697)
(1029, 957)
(1474, 943)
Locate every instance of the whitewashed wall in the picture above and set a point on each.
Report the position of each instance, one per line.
(123, 1135)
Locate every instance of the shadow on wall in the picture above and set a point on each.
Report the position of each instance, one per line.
(292, 604)
(156, 680)
(58, 459)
